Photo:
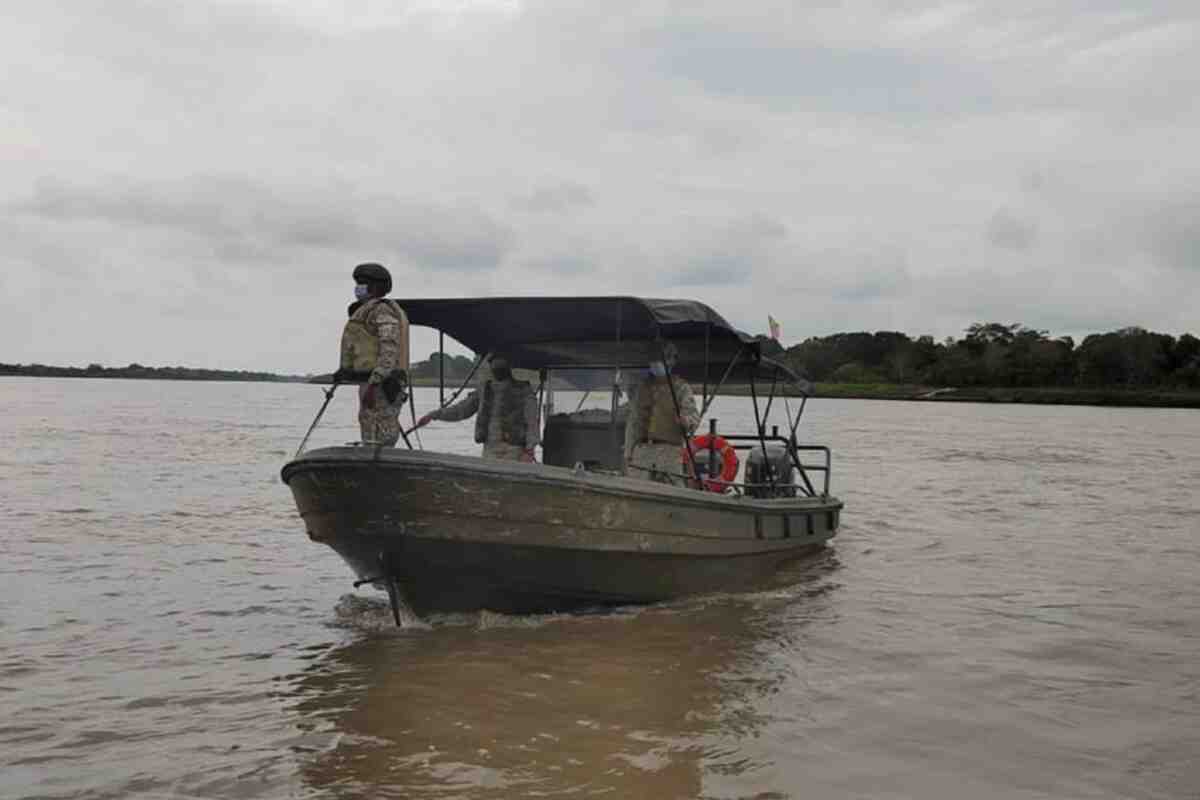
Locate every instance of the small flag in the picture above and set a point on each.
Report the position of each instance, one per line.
(773, 324)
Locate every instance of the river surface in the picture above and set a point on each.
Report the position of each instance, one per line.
(1011, 610)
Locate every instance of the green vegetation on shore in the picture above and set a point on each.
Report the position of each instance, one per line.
(991, 363)
(1039, 395)
(138, 371)
(999, 356)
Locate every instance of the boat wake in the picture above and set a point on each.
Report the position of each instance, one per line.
(374, 615)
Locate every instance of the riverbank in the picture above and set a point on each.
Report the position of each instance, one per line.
(140, 372)
(1052, 395)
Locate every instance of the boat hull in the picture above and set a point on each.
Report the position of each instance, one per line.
(462, 533)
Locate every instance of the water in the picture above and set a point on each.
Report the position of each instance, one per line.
(1011, 610)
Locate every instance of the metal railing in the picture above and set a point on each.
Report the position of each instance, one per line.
(793, 450)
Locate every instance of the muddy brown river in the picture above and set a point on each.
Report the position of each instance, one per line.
(1011, 610)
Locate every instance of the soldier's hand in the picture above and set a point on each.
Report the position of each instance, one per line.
(527, 455)
(368, 398)
(423, 421)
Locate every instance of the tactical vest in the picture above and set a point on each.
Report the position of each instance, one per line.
(658, 409)
(512, 412)
(360, 347)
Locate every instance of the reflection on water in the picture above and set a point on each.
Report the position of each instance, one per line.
(631, 703)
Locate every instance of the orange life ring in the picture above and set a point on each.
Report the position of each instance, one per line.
(729, 460)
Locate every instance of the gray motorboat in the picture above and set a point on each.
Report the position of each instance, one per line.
(450, 532)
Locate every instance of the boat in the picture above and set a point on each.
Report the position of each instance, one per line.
(444, 532)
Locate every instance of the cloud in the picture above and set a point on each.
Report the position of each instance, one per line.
(879, 276)
(559, 198)
(1010, 232)
(725, 252)
(1173, 233)
(768, 69)
(564, 264)
(240, 218)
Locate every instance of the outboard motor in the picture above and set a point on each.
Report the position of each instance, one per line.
(777, 467)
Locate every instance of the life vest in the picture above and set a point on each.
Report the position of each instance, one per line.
(513, 396)
(360, 342)
(658, 409)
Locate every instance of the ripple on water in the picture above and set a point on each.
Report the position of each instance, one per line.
(981, 619)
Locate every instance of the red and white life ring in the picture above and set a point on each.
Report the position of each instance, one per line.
(729, 460)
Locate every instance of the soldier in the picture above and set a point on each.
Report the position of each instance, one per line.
(375, 355)
(506, 414)
(657, 424)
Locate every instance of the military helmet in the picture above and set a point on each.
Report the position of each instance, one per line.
(373, 273)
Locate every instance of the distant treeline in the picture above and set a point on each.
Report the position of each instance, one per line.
(455, 367)
(425, 373)
(993, 354)
(990, 354)
(139, 371)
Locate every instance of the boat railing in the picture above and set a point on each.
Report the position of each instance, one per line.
(754, 442)
(825, 468)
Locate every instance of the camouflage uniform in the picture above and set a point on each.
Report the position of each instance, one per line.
(507, 423)
(387, 321)
(653, 439)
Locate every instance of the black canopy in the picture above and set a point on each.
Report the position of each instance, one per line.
(574, 332)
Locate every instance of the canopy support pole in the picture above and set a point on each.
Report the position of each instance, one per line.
(541, 392)
(762, 442)
(732, 363)
(771, 397)
(441, 367)
(412, 412)
(799, 414)
(616, 388)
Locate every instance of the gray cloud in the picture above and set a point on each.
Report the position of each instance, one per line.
(1010, 232)
(876, 285)
(559, 198)
(1173, 233)
(564, 264)
(860, 272)
(242, 219)
(728, 252)
(762, 67)
(713, 269)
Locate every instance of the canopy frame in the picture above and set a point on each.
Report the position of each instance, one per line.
(667, 322)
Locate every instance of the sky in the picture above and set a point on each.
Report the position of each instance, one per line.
(191, 183)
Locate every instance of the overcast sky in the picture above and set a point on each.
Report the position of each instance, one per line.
(192, 182)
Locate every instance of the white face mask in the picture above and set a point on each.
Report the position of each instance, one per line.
(361, 292)
(658, 369)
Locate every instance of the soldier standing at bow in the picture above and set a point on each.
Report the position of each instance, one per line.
(375, 355)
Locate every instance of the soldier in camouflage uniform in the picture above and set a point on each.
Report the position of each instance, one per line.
(507, 423)
(655, 428)
(381, 397)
